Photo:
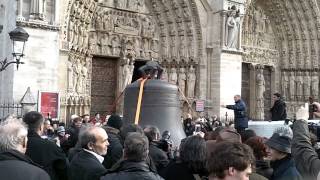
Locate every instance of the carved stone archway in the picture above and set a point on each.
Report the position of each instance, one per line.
(295, 52)
(128, 29)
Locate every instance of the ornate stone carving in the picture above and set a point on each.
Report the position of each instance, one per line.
(182, 80)
(232, 28)
(191, 82)
(127, 72)
(173, 78)
(285, 85)
(315, 85)
(299, 86)
(306, 85)
(260, 89)
(292, 86)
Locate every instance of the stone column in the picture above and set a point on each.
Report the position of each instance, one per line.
(223, 29)
(20, 17)
(56, 12)
(252, 102)
(37, 9)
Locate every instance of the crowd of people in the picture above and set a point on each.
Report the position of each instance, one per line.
(87, 150)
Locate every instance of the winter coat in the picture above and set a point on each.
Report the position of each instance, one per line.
(285, 169)
(17, 166)
(177, 170)
(115, 147)
(256, 176)
(158, 156)
(48, 155)
(240, 117)
(129, 170)
(72, 140)
(85, 166)
(263, 168)
(308, 162)
(278, 111)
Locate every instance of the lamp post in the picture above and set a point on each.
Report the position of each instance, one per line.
(18, 36)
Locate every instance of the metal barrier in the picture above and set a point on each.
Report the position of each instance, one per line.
(10, 108)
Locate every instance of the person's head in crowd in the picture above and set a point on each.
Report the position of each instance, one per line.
(230, 161)
(115, 121)
(76, 121)
(313, 139)
(47, 124)
(237, 98)
(136, 147)
(152, 133)
(284, 131)
(85, 118)
(166, 135)
(97, 116)
(193, 153)
(279, 146)
(248, 133)
(258, 146)
(94, 139)
(13, 135)
(276, 96)
(61, 131)
(34, 120)
(228, 135)
(125, 130)
(311, 100)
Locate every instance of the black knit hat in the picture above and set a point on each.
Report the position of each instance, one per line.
(115, 121)
(280, 143)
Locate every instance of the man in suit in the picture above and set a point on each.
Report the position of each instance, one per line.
(87, 164)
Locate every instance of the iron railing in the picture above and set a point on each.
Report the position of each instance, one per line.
(7, 108)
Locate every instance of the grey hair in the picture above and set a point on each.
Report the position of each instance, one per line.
(284, 131)
(136, 147)
(152, 133)
(12, 134)
(87, 135)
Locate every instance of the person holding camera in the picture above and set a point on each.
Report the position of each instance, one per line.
(314, 109)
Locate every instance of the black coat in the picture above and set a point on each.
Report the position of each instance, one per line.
(85, 166)
(240, 114)
(177, 170)
(129, 170)
(16, 166)
(158, 156)
(48, 155)
(278, 111)
(285, 169)
(115, 147)
(263, 168)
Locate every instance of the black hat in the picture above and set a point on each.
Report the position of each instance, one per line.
(280, 143)
(115, 121)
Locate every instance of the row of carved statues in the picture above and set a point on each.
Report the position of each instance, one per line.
(300, 85)
(77, 75)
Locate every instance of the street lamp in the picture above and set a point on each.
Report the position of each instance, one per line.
(18, 36)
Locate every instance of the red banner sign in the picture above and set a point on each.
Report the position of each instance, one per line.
(49, 104)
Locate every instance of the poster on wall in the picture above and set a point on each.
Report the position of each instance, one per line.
(200, 105)
(49, 104)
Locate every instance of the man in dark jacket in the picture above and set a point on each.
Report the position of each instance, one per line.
(158, 156)
(13, 144)
(87, 164)
(115, 148)
(133, 166)
(278, 110)
(42, 151)
(240, 117)
(308, 162)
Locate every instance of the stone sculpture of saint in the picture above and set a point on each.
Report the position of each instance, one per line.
(292, 86)
(182, 81)
(299, 82)
(70, 74)
(165, 76)
(259, 95)
(173, 78)
(315, 85)
(127, 73)
(306, 85)
(191, 82)
(285, 85)
(232, 29)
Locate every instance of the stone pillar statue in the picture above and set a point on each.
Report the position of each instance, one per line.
(165, 76)
(292, 86)
(127, 73)
(299, 86)
(37, 9)
(70, 74)
(260, 89)
(191, 82)
(104, 41)
(173, 78)
(182, 80)
(285, 85)
(315, 85)
(84, 73)
(232, 28)
(306, 85)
